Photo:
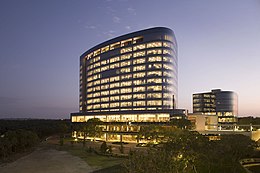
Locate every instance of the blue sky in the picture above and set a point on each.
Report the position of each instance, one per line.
(41, 41)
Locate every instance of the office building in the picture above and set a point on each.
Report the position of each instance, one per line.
(133, 78)
(217, 102)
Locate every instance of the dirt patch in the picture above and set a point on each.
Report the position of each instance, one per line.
(47, 160)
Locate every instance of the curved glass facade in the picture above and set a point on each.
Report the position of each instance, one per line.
(137, 71)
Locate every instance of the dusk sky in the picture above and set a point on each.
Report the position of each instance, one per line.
(41, 41)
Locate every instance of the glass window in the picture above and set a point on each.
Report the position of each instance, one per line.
(127, 56)
(126, 90)
(154, 51)
(137, 54)
(155, 58)
(139, 75)
(126, 97)
(139, 61)
(139, 103)
(125, 50)
(139, 68)
(154, 103)
(154, 88)
(154, 44)
(138, 47)
(125, 63)
(105, 49)
(139, 89)
(139, 96)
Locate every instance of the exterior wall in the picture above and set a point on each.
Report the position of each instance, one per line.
(137, 71)
(203, 122)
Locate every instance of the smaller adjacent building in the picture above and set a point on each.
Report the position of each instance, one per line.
(217, 102)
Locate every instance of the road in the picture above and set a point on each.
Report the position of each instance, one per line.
(44, 160)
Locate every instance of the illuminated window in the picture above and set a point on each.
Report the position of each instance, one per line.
(139, 96)
(139, 61)
(126, 90)
(105, 49)
(96, 100)
(97, 82)
(115, 65)
(104, 80)
(166, 95)
(155, 58)
(114, 98)
(115, 45)
(96, 64)
(138, 39)
(126, 104)
(125, 50)
(139, 103)
(168, 67)
(126, 76)
(96, 94)
(126, 42)
(97, 52)
(114, 59)
(139, 68)
(97, 88)
(154, 88)
(90, 89)
(90, 73)
(141, 53)
(155, 80)
(167, 44)
(105, 105)
(127, 56)
(167, 52)
(103, 87)
(127, 83)
(139, 75)
(90, 55)
(140, 46)
(90, 84)
(104, 93)
(112, 105)
(139, 89)
(154, 44)
(113, 79)
(154, 103)
(155, 65)
(89, 101)
(116, 91)
(154, 51)
(105, 68)
(126, 97)
(90, 95)
(139, 82)
(125, 70)
(96, 70)
(114, 85)
(166, 73)
(125, 63)
(104, 99)
(154, 73)
(89, 107)
(154, 95)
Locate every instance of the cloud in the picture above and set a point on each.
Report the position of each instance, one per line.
(110, 33)
(131, 11)
(90, 27)
(116, 19)
(127, 27)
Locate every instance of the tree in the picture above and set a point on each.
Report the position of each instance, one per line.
(91, 128)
